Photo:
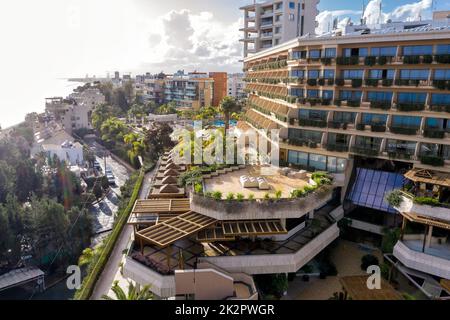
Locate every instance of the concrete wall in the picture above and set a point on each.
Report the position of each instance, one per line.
(421, 261)
(276, 263)
(207, 284)
(162, 286)
(250, 210)
(408, 205)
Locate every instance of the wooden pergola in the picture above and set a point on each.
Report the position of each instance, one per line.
(166, 233)
(441, 179)
(229, 230)
(355, 287)
(429, 221)
(270, 106)
(152, 211)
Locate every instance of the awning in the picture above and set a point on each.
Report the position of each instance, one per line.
(428, 176)
(371, 188)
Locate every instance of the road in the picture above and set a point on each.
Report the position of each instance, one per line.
(110, 272)
(104, 212)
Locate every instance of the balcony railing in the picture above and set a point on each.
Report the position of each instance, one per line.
(404, 130)
(337, 147)
(432, 160)
(312, 123)
(366, 150)
(400, 154)
(434, 133)
(410, 107)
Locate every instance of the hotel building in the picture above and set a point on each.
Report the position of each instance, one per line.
(272, 23)
(373, 104)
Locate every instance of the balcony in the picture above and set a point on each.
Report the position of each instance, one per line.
(404, 130)
(400, 154)
(435, 260)
(432, 160)
(410, 204)
(337, 147)
(434, 133)
(366, 150)
(312, 123)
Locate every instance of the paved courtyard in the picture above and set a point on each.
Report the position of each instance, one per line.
(347, 258)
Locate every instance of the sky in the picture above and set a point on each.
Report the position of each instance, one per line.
(55, 39)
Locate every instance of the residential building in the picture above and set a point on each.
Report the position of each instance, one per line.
(274, 22)
(370, 103)
(220, 87)
(75, 112)
(58, 143)
(236, 86)
(189, 91)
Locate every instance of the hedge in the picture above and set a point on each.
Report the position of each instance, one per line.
(89, 282)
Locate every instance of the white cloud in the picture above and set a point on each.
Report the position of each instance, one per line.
(194, 41)
(325, 19)
(411, 12)
(373, 14)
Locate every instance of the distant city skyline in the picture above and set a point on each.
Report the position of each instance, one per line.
(59, 39)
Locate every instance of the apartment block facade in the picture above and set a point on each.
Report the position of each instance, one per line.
(379, 95)
(378, 98)
(274, 22)
(236, 86)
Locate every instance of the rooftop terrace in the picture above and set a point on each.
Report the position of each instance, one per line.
(230, 182)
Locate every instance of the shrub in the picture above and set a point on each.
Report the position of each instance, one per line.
(267, 196)
(208, 194)
(432, 161)
(198, 188)
(240, 197)
(298, 193)
(230, 196)
(390, 239)
(369, 260)
(217, 195)
(251, 197)
(395, 198)
(278, 194)
(427, 201)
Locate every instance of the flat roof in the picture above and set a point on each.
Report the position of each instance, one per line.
(18, 276)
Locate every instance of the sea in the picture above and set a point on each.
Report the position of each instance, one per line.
(21, 99)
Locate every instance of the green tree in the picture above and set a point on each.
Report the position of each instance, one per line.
(227, 106)
(133, 293)
(113, 130)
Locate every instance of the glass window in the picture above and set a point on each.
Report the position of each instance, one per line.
(330, 53)
(408, 147)
(434, 123)
(332, 165)
(344, 117)
(379, 96)
(373, 118)
(384, 51)
(327, 94)
(417, 50)
(443, 49)
(291, 5)
(351, 95)
(406, 122)
(298, 73)
(318, 162)
(314, 136)
(382, 74)
(414, 74)
(352, 74)
(442, 74)
(313, 114)
(355, 52)
(341, 165)
(412, 97)
(313, 74)
(440, 99)
(312, 93)
(314, 54)
(297, 92)
(298, 55)
(328, 73)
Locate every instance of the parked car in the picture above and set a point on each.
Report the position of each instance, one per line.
(97, 165)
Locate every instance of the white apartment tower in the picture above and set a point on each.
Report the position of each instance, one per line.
(274, 22)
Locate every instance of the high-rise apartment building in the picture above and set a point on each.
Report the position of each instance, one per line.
(236, 86)
(220, 87)
(373, 104)
(274, 22)
(192, 91)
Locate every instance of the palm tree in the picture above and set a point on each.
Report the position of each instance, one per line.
(133, 293)
(227, 106)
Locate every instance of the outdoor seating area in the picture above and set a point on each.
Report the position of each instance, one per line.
(429, 184)
(252, 181)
